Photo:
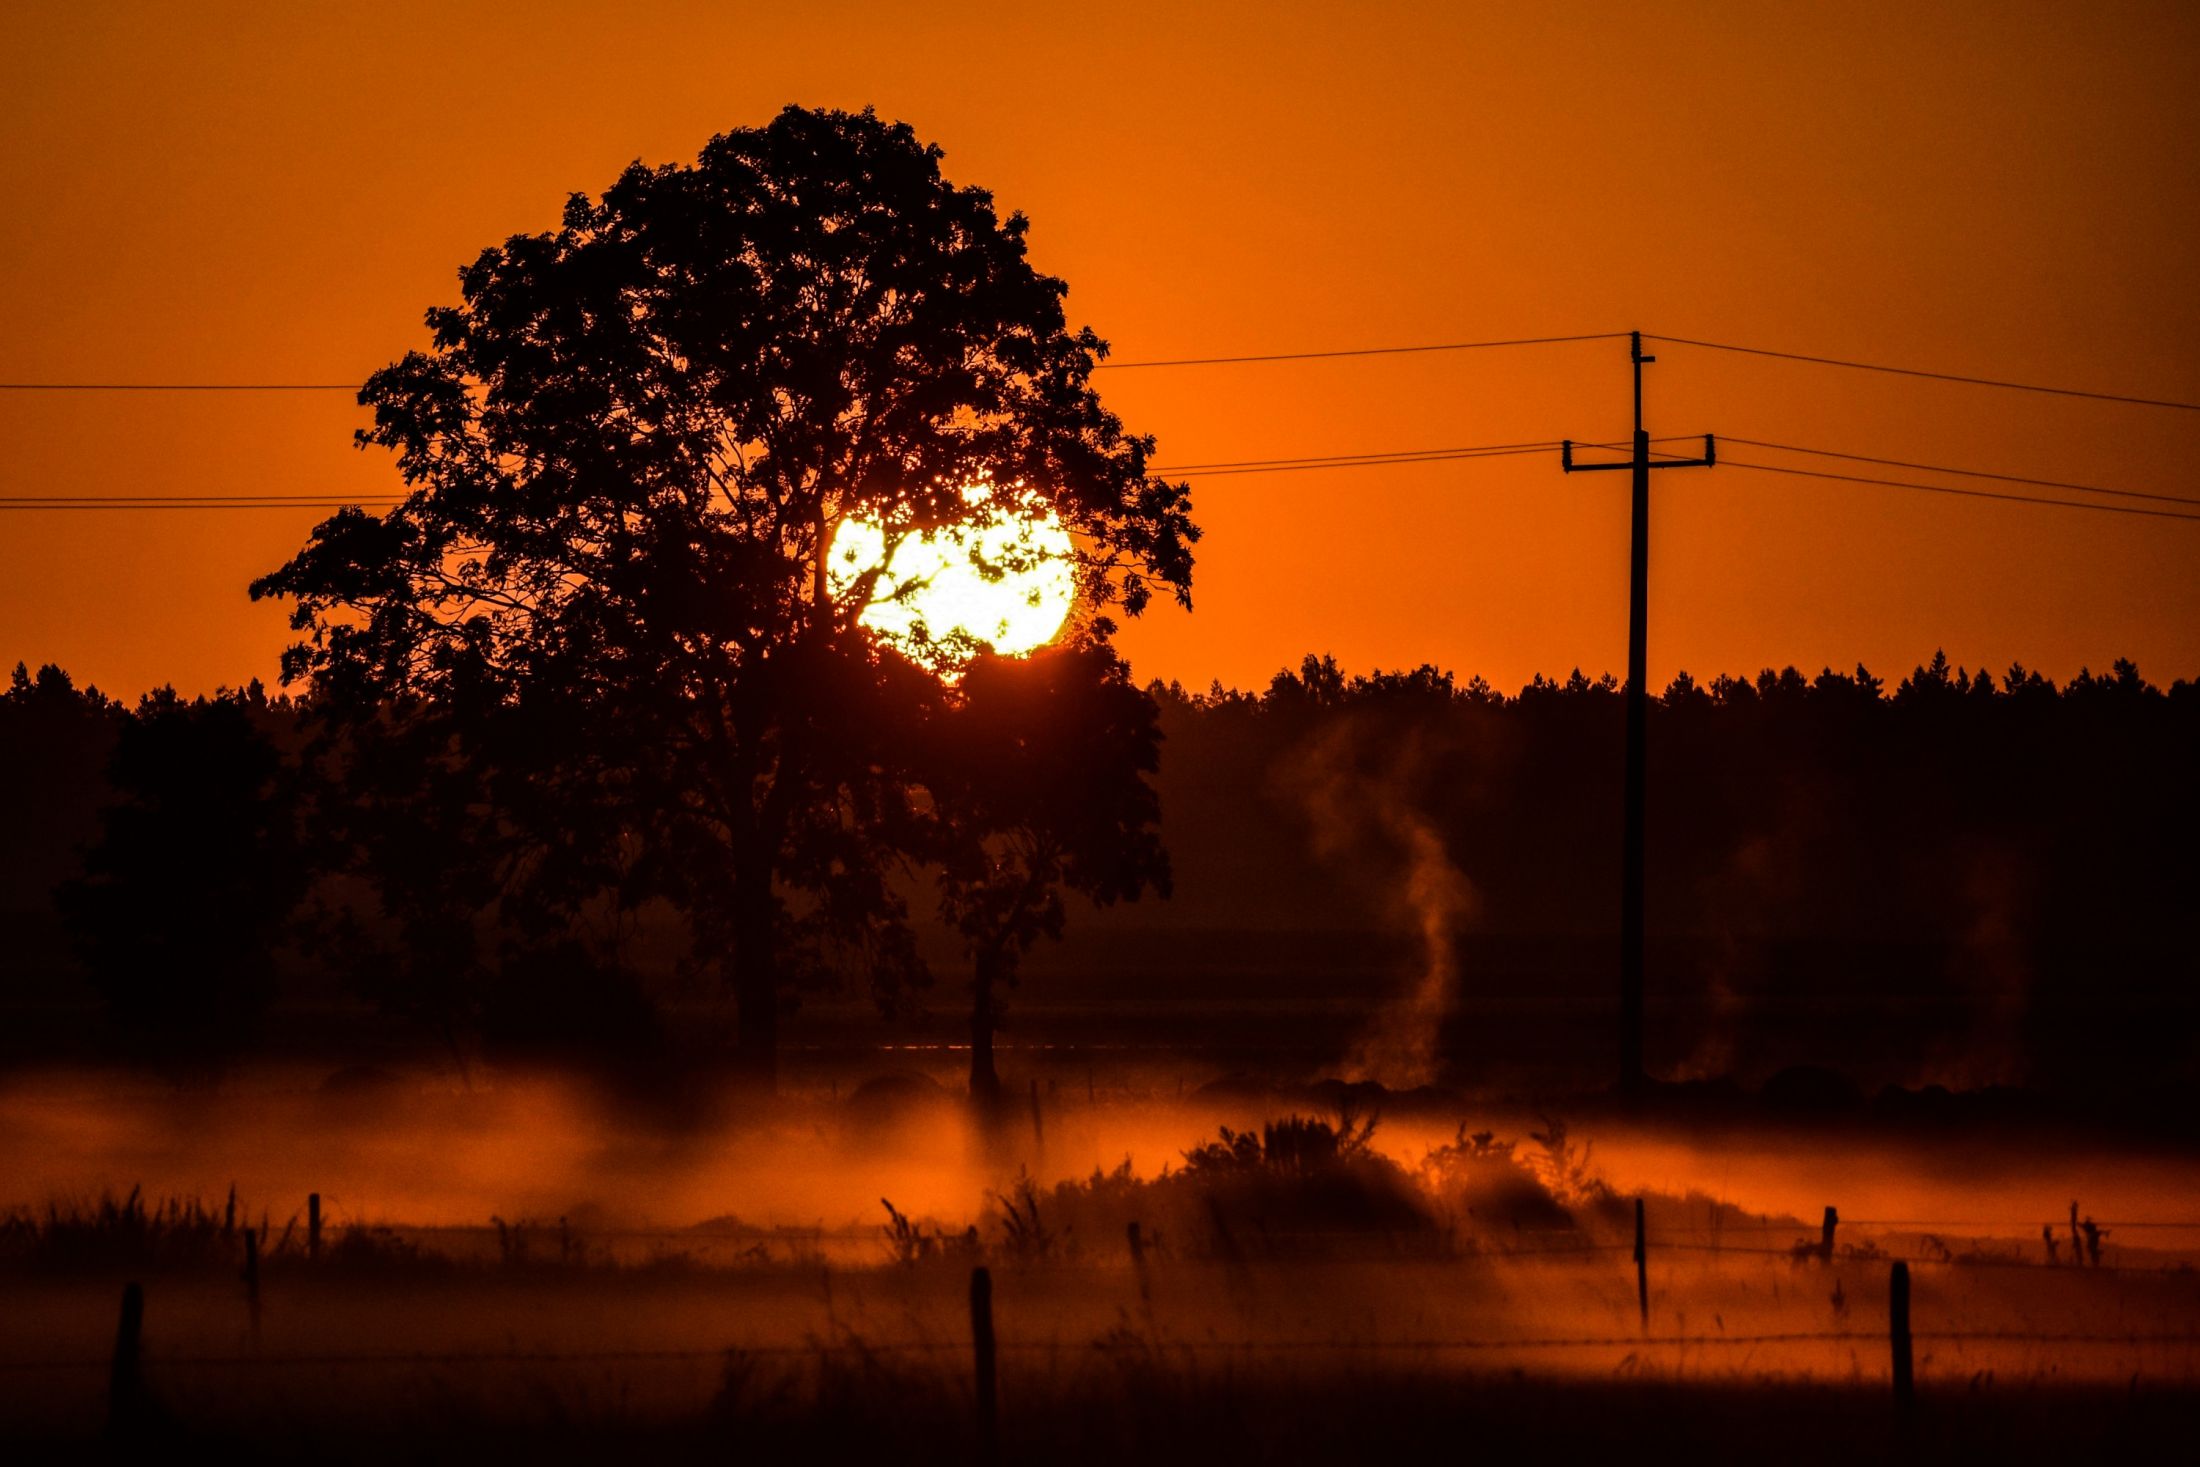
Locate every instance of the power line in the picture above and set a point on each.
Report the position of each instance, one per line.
(1946, 488)
(2163, 514)
(1222, 467)
(1362, 351)
(1231, 361)
(189, 502)
(1417, 348)
(1339, 458)
(378, 496)
(1792, 356)
(180, 387)
(1358, 461)
(1897, 463)
(1388, 458)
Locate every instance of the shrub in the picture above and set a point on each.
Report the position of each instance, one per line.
(1483, 1178)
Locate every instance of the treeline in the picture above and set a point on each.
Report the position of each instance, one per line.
(194, 862)
(2003, 866)
(1999, 871)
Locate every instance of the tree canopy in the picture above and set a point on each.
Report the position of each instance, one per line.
(628, 448)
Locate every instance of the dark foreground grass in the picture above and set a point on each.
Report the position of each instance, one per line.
(870, 1412)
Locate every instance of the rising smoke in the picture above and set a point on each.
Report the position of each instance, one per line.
(1363, 805)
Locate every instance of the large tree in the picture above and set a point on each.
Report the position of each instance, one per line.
(628, 449)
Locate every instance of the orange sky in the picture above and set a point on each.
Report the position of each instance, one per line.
(256, 193)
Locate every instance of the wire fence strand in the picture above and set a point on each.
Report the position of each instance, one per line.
(447, 1359)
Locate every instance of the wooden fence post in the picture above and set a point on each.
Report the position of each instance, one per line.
(1038, 1121)
(252, 1280)
(1138, 1261)
(1642, 1267)
(313, 1225)
(1825, 1233)
(1898, 1335)
(125, 1377)
(981, 1339)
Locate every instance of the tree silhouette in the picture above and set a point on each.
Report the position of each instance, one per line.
(412, 912)
(187, 894)
(55, 745)
(629, 448)
(1038, 783)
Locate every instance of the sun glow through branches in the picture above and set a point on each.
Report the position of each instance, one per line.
(1003, 579)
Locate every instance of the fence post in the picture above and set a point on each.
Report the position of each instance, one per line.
(125, 1377)
(1898, 1335)
(981, 1339)
(1642, 1267)
(1038, 1121)
(1825, 1233)
(252, 1280)
(1138, 1261)
(313, 1225)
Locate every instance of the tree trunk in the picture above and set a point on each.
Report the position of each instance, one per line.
(756, 978)
(985, 1081)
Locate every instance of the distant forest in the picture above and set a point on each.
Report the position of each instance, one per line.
(2008, 865)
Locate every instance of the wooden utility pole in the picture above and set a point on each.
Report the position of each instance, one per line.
(1642, 1267)
(984, 1348)
(1898, 1336)
(1631, 1071)
(125, 1376)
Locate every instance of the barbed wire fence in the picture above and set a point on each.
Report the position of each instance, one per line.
(128, 1364)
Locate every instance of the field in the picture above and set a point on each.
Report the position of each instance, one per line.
(531, 1266)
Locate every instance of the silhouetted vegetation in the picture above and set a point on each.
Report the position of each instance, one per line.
(1295, 1186)
(2008, 858)
(194, 879)
(1038, 786)
(606, 601)
(1964, 845)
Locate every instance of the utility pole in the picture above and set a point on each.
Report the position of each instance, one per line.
(1631, 1073)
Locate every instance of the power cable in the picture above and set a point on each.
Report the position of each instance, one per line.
(2163, 514)
(1897, 463)
(1793, 356)
(94, 502)
(1342, 458)
(180, 387)
(1285, 356)
(1234, 467)
(1297, 466)
(1231, 361)
(1362, 351)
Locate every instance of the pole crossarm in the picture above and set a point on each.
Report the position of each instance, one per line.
(1709, 460)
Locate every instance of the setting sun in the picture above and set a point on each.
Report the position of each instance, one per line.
(1003, 580)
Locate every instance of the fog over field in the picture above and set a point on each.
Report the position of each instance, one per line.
(532, 1245)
